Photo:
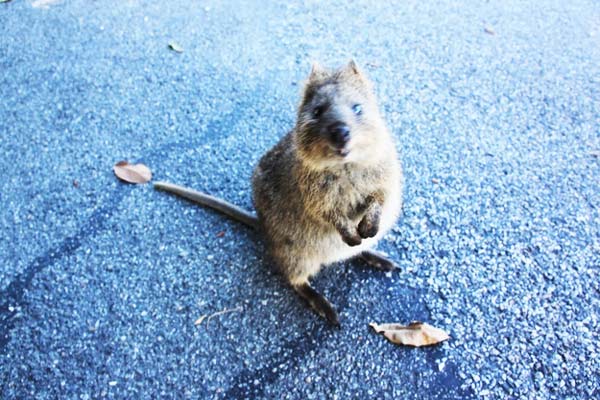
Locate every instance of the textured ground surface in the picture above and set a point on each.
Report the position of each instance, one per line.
(101, 282)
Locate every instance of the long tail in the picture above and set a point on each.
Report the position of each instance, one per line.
(235, 212)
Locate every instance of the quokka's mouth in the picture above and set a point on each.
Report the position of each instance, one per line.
(343, 152)
(339, 151)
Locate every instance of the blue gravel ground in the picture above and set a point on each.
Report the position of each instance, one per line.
(101, 282)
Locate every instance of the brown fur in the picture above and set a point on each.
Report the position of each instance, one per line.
(316, 207)
(321, 199)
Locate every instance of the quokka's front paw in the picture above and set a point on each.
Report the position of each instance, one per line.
(368, 227)
(351, 238)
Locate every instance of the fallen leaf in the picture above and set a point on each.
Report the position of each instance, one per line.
(414, 334)
(220, 234)
(489, 30)
(137, 173)
(175, 47)
(595, 153)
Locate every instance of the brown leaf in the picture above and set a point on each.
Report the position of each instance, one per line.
(137, 173)
(220, 234)
(175, 47)
(414, 334)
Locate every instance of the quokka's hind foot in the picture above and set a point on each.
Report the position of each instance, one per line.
(377, 260)
(318, 302)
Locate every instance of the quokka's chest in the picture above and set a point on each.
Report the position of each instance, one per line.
(347, 192)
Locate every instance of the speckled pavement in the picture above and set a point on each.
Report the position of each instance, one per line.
(496, 110)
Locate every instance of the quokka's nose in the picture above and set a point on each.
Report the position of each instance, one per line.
(340, 133)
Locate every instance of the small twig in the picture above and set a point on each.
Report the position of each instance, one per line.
(43, 3)
(208, 317)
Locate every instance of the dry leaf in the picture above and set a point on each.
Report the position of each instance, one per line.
(137, 173)
(414, 334)
(175, 47)
(220, 234)
(489, 30)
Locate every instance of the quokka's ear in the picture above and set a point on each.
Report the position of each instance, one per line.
(317, 72)
(353, 67)
(352, 73)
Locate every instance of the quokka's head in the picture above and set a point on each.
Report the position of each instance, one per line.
(338, 118)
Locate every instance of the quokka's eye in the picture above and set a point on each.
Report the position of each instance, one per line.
(357, 108)
(318, 111)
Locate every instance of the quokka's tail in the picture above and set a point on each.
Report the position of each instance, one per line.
(231, 210)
